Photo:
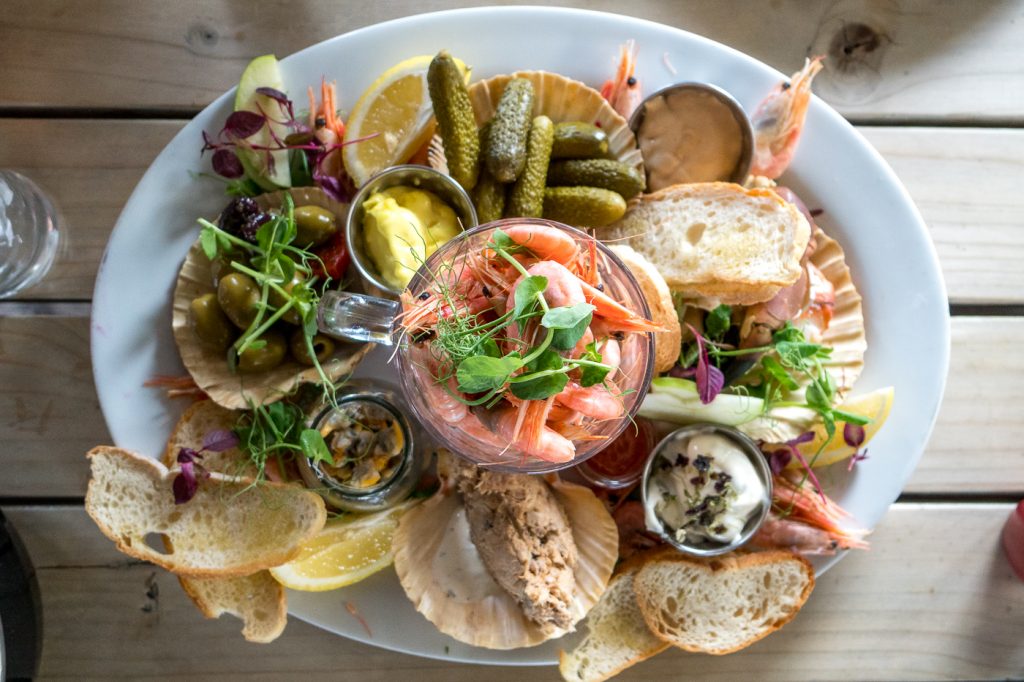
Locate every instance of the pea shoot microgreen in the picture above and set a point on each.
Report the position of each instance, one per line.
(277, 431)
(537, 372)
(282, 272)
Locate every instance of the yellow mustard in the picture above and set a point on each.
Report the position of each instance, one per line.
(402, 226)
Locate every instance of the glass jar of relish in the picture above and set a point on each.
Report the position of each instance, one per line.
(373, 447)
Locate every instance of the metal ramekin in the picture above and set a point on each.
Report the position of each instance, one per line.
(757, 459)
(742, 168)
(418, 177)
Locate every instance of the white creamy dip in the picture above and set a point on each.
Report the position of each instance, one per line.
(702, 488)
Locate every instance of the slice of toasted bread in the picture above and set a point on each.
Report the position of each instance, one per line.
(229, 528)
(667, 344)
(717, 240)
(721, 605)
(202, 417)
(257, 599)
(617, 634)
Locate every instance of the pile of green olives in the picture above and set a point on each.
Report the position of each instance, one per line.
(217, 319)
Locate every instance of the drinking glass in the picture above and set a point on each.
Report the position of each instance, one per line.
(29, 233)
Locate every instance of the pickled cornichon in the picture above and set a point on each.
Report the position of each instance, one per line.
(510, 129)
(605, 173)
(489, 194)
(583, 206)
(455, 121)
(578, 140)
(526, 199)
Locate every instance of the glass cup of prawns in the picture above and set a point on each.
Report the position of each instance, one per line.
(523, 345)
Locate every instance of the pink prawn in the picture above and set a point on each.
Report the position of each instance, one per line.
(779, 120)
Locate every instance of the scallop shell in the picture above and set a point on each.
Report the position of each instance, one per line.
(209, 368)
(560, 99)
(459, 596)
(846, 336)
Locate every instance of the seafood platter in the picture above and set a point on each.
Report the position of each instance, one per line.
(517, 364)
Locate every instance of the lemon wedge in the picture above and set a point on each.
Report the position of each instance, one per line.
(346, 551)
(396, 109)
(874, 406)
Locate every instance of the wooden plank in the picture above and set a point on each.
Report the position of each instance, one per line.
(51, 413)
(966, 183)
(963, 181)
(979, 435)
(89, 167)
(954, 614)
(908, 58)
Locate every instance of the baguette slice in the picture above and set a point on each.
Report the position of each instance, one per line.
(721, 605)
(617, 634)
(257, 599)
(668, 343)
(717, 240)
(199, 419)
(229, 528)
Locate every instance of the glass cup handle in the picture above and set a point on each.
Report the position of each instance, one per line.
(358, 317)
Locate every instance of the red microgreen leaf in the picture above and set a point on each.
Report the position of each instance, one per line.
(220, 440)
(242, 124)
(709, 378)
(275, 94)
(779, 460)
(185, 484)
(853, 434)
(227, 165)
(188, 456)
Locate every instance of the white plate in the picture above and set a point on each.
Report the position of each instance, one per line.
(866, 209)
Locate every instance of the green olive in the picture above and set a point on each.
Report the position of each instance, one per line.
(323, 346)
(277, 300)
(219, 267)
(210, 323)
(314, 226)
(238, 296)
(269, 356)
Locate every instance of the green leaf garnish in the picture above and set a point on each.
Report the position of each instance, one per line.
(314, 447)
(527, 293)
(481, 373)
(718, 322)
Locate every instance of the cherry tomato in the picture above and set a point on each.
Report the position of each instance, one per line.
(334, 255)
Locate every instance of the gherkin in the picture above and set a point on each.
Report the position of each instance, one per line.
(510, 128)
(527, 197)
(455, 121)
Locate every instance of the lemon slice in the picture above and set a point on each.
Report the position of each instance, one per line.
(875, 406)
(344, 552)
(397, 109)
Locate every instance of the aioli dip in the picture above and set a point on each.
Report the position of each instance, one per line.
(401, 227)
(702, 488)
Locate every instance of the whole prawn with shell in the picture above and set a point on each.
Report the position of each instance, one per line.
(518, 342)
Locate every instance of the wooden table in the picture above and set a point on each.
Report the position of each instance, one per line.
(92, 91)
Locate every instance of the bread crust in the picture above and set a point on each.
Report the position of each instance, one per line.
(648, 600)
(667, 344)
(161, 475)
(628, 568)
(279, 608)
(734, 290)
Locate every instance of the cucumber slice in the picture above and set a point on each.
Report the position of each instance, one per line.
(676, 400)
(263, 72)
